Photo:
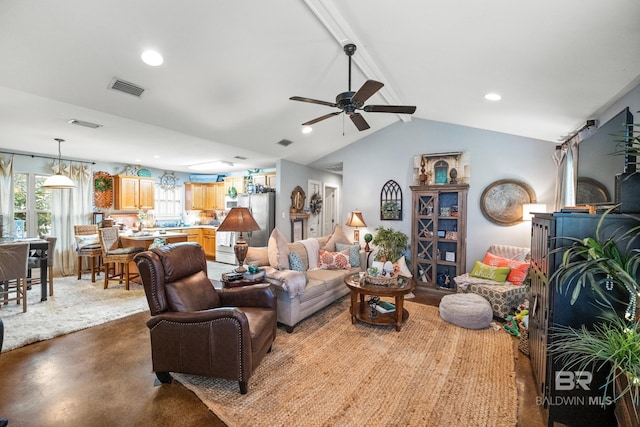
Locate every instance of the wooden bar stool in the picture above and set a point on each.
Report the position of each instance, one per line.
(88, 246)
(114, 253)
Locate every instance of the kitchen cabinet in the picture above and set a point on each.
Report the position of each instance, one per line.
(209, 242)
(193, 234)
(550, 308)
(438, 234)
(204, 195)
(266, 179)
(133, 193)
(236, 181)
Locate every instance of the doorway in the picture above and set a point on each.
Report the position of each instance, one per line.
(314, 224)
(330, 209)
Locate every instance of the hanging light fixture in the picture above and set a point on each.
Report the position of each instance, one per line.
(58, 181)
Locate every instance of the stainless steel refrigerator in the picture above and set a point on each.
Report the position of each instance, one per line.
(263, 209)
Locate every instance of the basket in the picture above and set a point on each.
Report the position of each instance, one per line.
(383, 281)
(523, 345)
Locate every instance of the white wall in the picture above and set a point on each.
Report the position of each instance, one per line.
(388, 154)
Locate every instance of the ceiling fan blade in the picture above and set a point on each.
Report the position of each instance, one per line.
(365, 92)
(398, 109)
(313, 101)
(359, 121)
(326, 116)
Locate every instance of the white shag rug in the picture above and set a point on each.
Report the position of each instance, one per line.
(75, 305)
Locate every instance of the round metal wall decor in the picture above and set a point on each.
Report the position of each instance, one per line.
(501, 202)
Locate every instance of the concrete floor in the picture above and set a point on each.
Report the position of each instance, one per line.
(102, 376)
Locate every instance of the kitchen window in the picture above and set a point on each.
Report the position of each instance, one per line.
(168, 203)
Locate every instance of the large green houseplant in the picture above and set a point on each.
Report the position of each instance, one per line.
(391, 244)
(614, 342)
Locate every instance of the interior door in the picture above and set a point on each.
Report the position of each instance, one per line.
(330, 210)
(314, 224)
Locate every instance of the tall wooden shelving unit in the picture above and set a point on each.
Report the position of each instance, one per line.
(438, 234)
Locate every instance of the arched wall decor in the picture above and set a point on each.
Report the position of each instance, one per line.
(391, 201)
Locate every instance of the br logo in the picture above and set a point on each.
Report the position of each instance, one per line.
(571, 380)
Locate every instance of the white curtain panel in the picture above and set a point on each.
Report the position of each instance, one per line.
(6, 195)
(70, 207)
(566, 159)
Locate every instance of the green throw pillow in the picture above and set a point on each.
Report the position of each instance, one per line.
(354, 253)
(484, 271)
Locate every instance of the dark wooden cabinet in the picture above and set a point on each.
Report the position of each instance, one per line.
(566, 398)
(438, 234)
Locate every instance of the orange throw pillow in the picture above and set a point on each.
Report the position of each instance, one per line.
(518, 271)
(334, 260)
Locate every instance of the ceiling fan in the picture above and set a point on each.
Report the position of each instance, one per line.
(350, 102)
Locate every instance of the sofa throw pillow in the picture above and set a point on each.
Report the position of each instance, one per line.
(401, 268)
(258, 256)
(87, 240)
(484, 271)
(295, 263)
(338, 236)
(354, 253)
(334, 260)
(278, 251)
(518, 272)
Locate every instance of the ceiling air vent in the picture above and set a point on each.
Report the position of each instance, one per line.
(126, 87)
(285, 142)
(85, 124)
(335, 168)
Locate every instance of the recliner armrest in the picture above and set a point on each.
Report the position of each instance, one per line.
(197, 316)
(249, 296)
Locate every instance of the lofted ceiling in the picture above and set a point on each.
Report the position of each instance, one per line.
(230, 68)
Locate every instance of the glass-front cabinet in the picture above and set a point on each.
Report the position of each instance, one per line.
(439, 232)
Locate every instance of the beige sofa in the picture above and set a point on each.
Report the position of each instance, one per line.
(302, 293)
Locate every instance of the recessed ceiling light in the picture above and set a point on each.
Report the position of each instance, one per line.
(492, 97)
(151, 57)
(307, 129)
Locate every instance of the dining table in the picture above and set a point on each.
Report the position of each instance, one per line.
(39, 247)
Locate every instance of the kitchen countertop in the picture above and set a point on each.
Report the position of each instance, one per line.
(183, 227)
(151, 235)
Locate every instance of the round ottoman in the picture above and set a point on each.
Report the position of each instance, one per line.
(467, 310)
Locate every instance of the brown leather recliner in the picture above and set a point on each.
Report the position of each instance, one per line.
(196, 329)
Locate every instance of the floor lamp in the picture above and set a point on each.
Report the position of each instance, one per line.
(241, 220)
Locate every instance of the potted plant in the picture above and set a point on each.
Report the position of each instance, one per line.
(391, 244)
(614, 341)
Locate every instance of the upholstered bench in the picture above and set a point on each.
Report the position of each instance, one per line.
(503, 297)
(469, 311)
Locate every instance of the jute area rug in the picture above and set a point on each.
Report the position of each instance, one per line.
(329, 372)
(75, 305)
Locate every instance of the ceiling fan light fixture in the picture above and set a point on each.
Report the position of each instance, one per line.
(307, 129)
(492, 96)
(58, 181)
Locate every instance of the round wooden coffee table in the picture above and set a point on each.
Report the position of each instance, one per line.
(361, 311)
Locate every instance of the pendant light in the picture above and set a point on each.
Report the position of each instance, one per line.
(58, 181)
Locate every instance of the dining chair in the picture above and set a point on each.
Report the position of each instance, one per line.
(13, 272)
(88, 246)
(34, 263)
(116, 258)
